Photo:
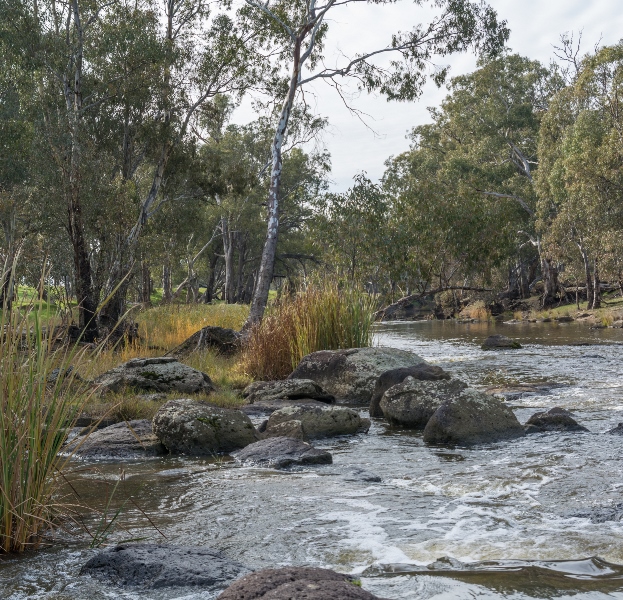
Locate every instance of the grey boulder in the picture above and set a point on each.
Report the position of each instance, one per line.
(186, 426)
(351, 375)
(317, 422)
(153, 566)
(281, 452)
(472, 417)
(121, 441)
(500, 342)
(618, 430)
(296, 583)
(555, 419)
(164, 374)
(286, 389)
(266, 407)
(413, 402)
(393, 377)
(224, 341)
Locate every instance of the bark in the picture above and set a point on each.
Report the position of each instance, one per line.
(588, 277)
(166, 281)
(269, 253)
(596, 286)
(228, 252)
(85, 293)
(550, 282)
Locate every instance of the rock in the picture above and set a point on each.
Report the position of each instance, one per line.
(352, 374)
(296, 583)
(361, 475)
(517, 391)
(155, 566)
(565, 319)
(194, 428)
(317, 422)
(393, 377)
(121, 441)
(472, 417)
(600, 514)
(618, 430)
(268, 407)
(555, 419)
(287, 389)
(412, 403)
(162, 374)
(224, 341)
(290, 429)
(500, 342)
(281, 452)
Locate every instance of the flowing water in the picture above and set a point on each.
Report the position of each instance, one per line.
(495, 521)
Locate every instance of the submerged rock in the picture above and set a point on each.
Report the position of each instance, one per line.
(154, 566)
(520, 390)
(412, 403)
(287, 389)
(317, 422)
(296, 583)
(351, 375)
(618, 430)
(555, 419)
(472, 417)
(600, 514)
(393, 377)
(500, 342)
(164, 374)
(281, 452)
(195, 428)
(121, 441)
(224, 341)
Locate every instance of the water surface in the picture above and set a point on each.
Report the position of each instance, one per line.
(491, 521)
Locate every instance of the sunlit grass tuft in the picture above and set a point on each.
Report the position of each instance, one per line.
(326, 317)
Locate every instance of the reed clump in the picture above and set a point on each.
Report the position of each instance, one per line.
(325, 317)
(39, 400)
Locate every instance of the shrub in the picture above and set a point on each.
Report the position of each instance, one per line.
(326, 317)
(35, 413)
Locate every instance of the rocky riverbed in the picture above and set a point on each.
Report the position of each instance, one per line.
(530, 517)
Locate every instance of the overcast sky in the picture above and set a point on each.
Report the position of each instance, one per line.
(535, 26)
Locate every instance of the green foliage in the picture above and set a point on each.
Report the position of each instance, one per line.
(35, 415)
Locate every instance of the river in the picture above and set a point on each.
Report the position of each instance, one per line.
(495, 521)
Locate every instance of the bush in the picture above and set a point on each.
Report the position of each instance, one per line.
(35, 413)
(325, 317)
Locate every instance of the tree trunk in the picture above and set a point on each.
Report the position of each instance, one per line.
(269, 253)
(596, 286)
(588, 277)
(550, 282)
(228, 252)
(167, 292)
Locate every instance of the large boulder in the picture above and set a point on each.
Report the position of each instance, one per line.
(224, 341)
(155, 566)
(351, 375)
(317, 422)
(122, 441)
(500, 342)
(413, 402)
(472, 417)
(618, 430)
(164, 374)
(555, 419)
(300, 583)
(287, 389)
(267, 407)
(194, 428)
(393, 377)
(281, 452)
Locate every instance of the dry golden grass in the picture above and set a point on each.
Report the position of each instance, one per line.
(476, 310)
(326, 317)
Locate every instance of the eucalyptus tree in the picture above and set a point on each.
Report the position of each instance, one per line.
(581, 180)
(295, 31)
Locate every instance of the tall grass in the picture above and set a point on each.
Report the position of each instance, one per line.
(34, 415)
(325, 317)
